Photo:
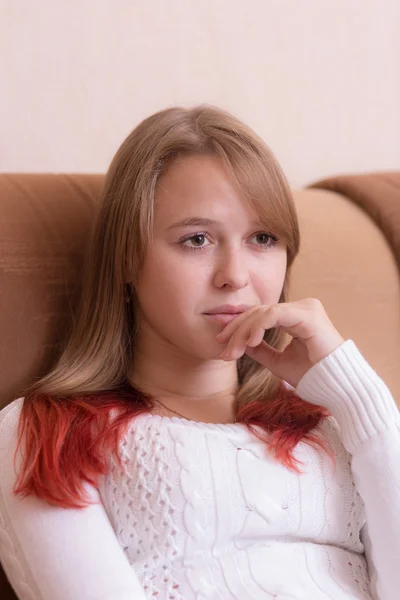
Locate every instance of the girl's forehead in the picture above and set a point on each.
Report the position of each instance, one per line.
(199, 183)
(193, 174)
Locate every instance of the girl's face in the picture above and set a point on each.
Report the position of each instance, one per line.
(208, 250)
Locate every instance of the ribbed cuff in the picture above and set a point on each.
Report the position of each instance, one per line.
(345, 384)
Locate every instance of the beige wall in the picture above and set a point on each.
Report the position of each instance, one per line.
(318, 79)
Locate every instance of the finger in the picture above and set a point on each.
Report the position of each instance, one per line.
(252, 337)
(230, 329)
(249, 334)
(295, 319)
(253, 328)
(265, 354)
(256, 336)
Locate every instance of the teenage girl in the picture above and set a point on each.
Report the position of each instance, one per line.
(183, 448)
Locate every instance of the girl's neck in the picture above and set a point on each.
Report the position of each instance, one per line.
(204, 411)
(200, 391)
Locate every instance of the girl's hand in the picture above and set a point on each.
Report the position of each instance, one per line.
(314, 337)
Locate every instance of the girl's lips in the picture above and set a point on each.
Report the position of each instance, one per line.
(222, 318)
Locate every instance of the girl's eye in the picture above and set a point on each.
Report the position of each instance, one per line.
(199, 241)
(196, 241)
(265, 240)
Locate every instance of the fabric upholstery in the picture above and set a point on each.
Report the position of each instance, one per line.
(376, 193)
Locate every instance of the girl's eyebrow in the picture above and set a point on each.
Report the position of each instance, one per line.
(199, 221)
(190, 222)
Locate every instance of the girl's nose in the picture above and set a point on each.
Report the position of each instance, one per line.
(231, 270)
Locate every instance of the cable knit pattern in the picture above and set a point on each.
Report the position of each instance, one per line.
(204, 512)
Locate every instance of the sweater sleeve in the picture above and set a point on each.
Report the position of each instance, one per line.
(369, 421)
(51, 553)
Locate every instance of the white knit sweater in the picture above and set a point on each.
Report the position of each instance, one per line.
(203, 511)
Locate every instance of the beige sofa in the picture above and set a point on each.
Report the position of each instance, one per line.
(345, 260)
